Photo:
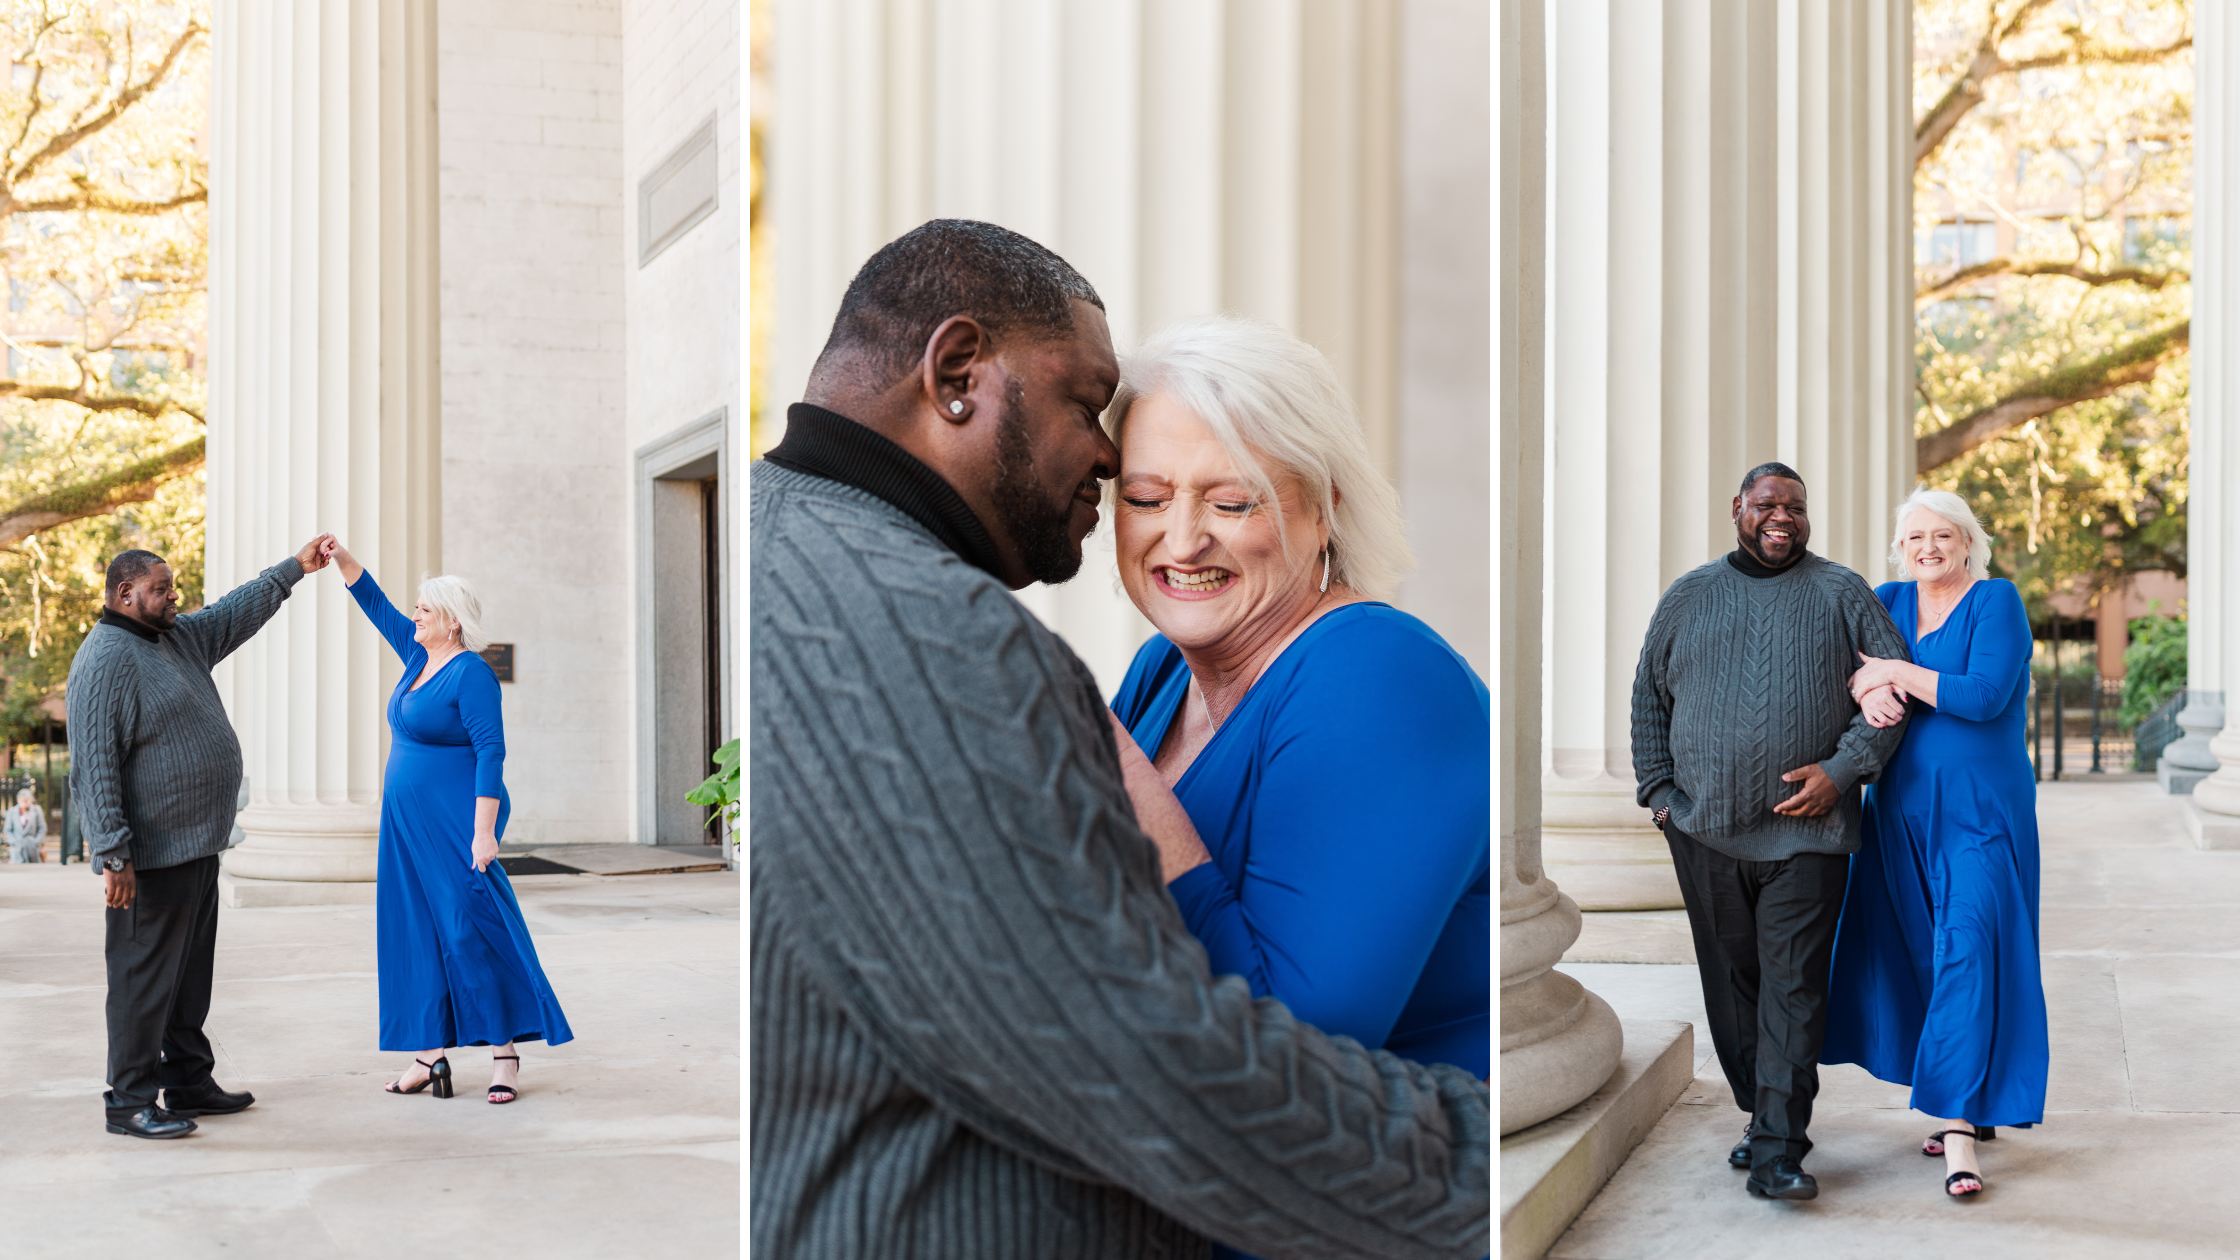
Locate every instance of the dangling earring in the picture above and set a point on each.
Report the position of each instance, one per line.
(1325, 571)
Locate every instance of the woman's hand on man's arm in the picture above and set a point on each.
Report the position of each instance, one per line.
(1157, 811)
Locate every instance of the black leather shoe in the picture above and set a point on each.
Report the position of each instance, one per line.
(207, 1101)
(1739, 1157)
(151, 1121)
(1784, 1178)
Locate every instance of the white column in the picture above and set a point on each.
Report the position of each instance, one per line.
(1187, 158)
(2210, 521)
(323, 402)
(2212, 527)
(1559, 1042)
(1729, 273)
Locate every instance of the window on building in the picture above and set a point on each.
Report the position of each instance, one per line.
(1961, 243)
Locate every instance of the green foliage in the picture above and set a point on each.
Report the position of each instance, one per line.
(2154, 666)
(104, 247)
(721, 789)
(2086, 165)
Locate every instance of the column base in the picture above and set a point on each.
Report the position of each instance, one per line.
(2211, 830)
(236, 893)
(1600, 848)
(1550, 1171)
(308, 843)
(1638, 936)
(2177, 780)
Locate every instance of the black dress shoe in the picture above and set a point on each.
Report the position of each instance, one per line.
(1739, 1157)
(151, 1121)
(207, 1101)
(1784, 1178)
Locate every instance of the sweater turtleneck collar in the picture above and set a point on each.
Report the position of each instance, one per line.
(111, 617)
(827, 444)
(1750, 566)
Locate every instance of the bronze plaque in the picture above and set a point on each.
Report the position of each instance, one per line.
(500, 656)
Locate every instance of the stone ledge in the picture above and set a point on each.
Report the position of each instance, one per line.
(2209, 830)
(1550, 1171)
(237, 893)
(2178, 781)
(1637, 936)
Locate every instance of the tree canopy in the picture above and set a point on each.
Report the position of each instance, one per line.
(103, 236)
(2052, 203)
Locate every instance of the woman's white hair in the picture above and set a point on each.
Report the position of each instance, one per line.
(450, 595)
(1273, 402)
(1953, 508)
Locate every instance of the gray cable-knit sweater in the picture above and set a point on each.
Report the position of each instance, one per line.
(154, 762)
(1743, 679)
(980, 1028)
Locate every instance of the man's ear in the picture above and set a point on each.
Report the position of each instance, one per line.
(1736, 514)
(950, 367)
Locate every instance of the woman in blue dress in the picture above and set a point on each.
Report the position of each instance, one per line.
(456, 964)
(1331, 750)
(1935, 982)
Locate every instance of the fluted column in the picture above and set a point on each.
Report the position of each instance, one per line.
(2210, 521)
(323, 398)
(1187, 157)
(2212, 525)
(1730, 271)
(1559, 1042)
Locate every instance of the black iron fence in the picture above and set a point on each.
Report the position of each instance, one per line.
(2076, 727)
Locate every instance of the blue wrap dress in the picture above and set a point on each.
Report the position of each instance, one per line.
(1348, 811)
(457, 967)
(1346, 806)
(1935, 982)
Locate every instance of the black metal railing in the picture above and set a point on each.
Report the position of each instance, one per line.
(2157, 731)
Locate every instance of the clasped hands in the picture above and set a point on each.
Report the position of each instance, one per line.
(1878, 692)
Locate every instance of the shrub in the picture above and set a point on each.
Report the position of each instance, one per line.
(2154, 666)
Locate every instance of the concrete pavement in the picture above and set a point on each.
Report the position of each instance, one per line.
(625, 1141)
(2141, 957)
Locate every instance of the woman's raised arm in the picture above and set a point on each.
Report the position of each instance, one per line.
(393, 625)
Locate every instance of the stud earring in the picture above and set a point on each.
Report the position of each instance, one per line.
(956, 408)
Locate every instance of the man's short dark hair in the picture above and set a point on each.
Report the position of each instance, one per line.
(1750, 478)
(937, 270)
(131, 566)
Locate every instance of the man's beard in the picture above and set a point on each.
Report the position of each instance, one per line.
(1040, 529)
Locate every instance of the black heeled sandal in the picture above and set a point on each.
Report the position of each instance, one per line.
(1933, 1147)
(1953, 1179)
(439, 1075)
(509, 1091)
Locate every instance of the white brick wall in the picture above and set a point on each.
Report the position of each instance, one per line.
(536, 495)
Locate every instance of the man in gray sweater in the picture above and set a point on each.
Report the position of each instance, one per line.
(981, 1030)
(1750, 752)
(154, 765)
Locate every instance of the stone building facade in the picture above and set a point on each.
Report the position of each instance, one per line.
(476, 277)
(1320, 166)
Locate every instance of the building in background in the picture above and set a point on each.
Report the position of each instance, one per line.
(475, 304)
(1323, 166)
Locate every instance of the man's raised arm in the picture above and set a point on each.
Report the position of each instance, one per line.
(213, 633)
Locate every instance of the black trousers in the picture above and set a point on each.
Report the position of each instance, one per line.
(160, 950)
(1765, 933)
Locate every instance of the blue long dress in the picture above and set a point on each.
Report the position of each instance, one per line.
(1345, 803)
(1347, 806)
(457, 967)
(1935, 982)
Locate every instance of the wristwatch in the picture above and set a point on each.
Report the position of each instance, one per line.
(112, 863)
